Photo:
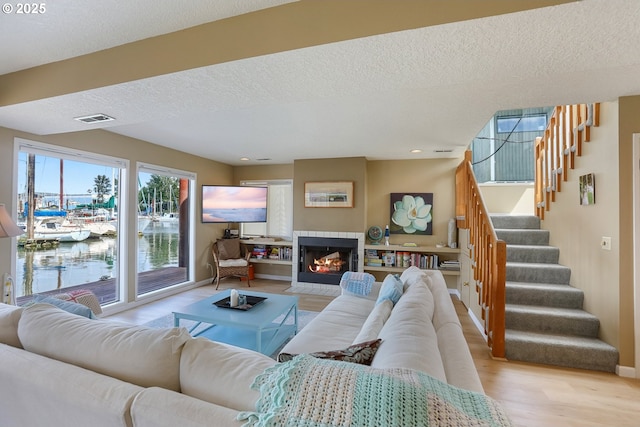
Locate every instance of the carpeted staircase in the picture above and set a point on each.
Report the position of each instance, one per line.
(545, 322)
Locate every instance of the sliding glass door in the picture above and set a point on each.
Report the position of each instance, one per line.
(68, 206)
(164, 224)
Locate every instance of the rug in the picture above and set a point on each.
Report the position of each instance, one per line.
(304, 317)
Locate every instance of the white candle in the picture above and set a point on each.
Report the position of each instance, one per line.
(234, 298)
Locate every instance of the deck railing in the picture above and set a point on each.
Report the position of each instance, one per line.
(488, 255)
(556, 151)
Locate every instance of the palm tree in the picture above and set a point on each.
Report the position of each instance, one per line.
(102, 186)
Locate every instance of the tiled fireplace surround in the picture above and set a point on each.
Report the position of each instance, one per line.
(317, 288)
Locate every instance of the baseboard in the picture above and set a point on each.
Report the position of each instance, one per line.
(454, 292)
(119, 307)
(626, 371)
(273, 277)
(478, 324)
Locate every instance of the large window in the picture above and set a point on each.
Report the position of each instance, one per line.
(165, 209)
(279, 211)
(68, 206)
(503, 151)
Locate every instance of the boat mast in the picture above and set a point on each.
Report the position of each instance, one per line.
(31, 167)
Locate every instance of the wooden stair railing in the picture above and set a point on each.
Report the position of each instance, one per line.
(556, 151)
(489, 255)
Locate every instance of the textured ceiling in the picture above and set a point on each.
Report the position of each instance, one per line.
(430, 88)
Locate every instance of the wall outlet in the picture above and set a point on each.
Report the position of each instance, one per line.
(606, 243)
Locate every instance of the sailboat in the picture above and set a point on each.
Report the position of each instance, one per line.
(58, 228)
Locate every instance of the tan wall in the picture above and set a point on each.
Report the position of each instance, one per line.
(101, 142)
(577, 229)
(330, 219)
(515, 199)
(435, 176)
(257, 173)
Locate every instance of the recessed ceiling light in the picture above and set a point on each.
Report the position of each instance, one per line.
(94, 118)
(244, 159)
(416, 151)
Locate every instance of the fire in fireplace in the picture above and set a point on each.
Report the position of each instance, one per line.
(325, 259)
(327, 264)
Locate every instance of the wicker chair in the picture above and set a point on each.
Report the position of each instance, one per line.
(228, 260)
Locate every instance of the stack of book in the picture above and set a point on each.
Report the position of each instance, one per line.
(450, 265)
(372, 259)
(259, 252)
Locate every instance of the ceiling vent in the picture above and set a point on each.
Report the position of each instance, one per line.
(95, 118)
(443, 150)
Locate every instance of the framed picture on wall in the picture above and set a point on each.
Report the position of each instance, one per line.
(411, 213)
(588, 189)
(328, 194)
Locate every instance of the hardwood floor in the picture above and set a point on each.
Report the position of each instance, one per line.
(533, 395)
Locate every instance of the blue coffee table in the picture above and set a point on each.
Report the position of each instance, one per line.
(263, 328)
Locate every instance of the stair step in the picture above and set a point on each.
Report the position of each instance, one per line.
(544, 294)
(538, 273)
(561, 350)
(533, 253)
(551, 320)
(515, 221)
(523, 237)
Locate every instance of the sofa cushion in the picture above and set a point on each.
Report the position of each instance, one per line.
(221, 373)
(39, 391)
(408, 337)
(361, 353)
(9, 317)
(68, 306)
(374, 323)
(334, 327)
(136, 354)
(356, 283)
(229, 248)
(392, 288)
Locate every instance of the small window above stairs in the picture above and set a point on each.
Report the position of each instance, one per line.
(545, 322)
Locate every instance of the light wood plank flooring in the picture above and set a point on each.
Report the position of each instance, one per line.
(533, 395)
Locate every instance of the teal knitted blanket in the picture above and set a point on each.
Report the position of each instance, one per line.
(312, 392)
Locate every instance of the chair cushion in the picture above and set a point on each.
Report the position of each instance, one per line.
(229, 248)
(233, 263)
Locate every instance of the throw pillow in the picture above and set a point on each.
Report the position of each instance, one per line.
(84, 297)
(356, 283)
(361, 353)
(68, 306)
(391, 289)
(229, 248)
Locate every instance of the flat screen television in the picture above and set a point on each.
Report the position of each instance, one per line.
(233, 203)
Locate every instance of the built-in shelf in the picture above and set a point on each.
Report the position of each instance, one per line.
(426, 257)
(284, 249)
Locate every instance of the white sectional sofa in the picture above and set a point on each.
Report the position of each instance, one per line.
(60, 369)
